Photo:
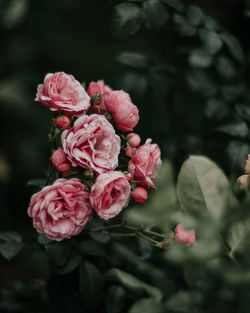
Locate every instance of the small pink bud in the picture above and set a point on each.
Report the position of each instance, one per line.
(243, 181)
(130, 151)
(62, 121)
(164, 244)
(186, 237)
(133, 140)
(60, 160)
(140, 195)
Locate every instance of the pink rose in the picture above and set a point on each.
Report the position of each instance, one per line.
(109, 194)
(243, 181)
(124, 112)
(140, 195)
(92, 144)
(100, 91)
(145, 164)
(63, 93)
(61, 210)
(60, 161)
(186, 237)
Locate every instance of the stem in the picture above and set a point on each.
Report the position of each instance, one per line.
(148, 238)
(104, 232)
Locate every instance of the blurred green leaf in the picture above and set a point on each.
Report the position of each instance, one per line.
(147, 305)
(91, 247)
(225, 68)
(237, 129)
(216, 109)
(156, 14)
(243, 111)
(180, 302)
(202, 186)
(194, 15)
(15, 13)
(200, 59)
(183, 27)
(10, 244)
(210, 23)
(91, 284)
(115, 299)
(237, 152)
(59, 253)
(234, 46)
(132, 283)
(35, 182)
(133, 59)
(72, 263)
(175, 4)
(126, 20)
(211, 41)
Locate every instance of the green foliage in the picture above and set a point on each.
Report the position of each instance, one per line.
(10, 244)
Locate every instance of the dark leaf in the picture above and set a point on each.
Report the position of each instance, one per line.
(133, 59)
(147, 305)
(156, 15)
(194, 15)
(115, 299)
(10, 244)
(234, 46)
(237, 129)
(175, 4)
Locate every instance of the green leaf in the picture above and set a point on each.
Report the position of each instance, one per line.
(237, 129)
(126, 20)
(210, 23)
(239, 238)
(211, 41)
(225, 68)
(43, 240)
(175, 4)
(133, 59)
(216, 109)
(194, 15)
(202, 186)
(147, 305)
(200, 59)
(234, 46)
(156, 15)
(180, 302)
(91, 247)
(132, 283)
(35, 182)
(115, 299)
(243, 111)
(73, 262)
(237, 152)
(10, 244)
(91, 284)
(183, 27)
(59, 253)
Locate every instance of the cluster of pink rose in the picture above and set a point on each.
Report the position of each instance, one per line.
(91, 125)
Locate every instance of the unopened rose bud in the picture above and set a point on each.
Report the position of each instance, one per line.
(140, 195)
(164, 244)
(88, 174)
(130, 151)
(60, 160)
(133, 140)
(62, 121)
(243, 181)
(186, 237)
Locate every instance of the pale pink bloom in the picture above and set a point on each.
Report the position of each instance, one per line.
(145, 164)
(62, 121)
(62, 209)
(60, 161)
(109, 194)
(243, 181)
(92, 144)
(247, 166)
(63, 93)
(186, 237)
(101, 92)
(130, 151)
(124, 112)
(133, 140)
(140, 195)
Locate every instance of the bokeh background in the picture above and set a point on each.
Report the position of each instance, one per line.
(184, 63)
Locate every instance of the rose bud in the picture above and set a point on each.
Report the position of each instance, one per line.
(243, 181)
(140, 195)
(60, 161)
(186, 237)
(164, 244)
(133, 140)
(62, 121)
(130, 151)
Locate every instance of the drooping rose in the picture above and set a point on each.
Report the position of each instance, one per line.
(92, 144)
(99, 91)
(145, 164)
(140, 195)
(60, 161)
(124, 112)
(186, 237)
(109, 194)
(62, 209)
(63, 93)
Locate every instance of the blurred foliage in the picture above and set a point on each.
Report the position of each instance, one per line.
(185, 64)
